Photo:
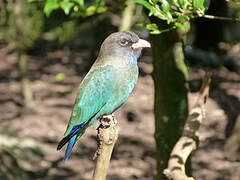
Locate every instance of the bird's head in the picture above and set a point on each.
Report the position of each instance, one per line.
(122, 47)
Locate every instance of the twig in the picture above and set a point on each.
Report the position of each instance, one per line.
(189, 140)
(107, 139)
(207, 16)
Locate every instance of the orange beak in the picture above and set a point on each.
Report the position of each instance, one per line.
(141, 44)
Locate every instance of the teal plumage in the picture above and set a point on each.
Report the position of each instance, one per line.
(107, 85)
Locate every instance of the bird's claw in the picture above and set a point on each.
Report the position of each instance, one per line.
(107, 119)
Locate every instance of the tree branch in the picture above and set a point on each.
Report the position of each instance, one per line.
(107, 136)
(127, 16)
(189, 140)
(235, 19)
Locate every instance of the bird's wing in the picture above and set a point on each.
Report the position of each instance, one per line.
(94, 92)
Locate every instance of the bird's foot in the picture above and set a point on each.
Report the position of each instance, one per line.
(107, 119)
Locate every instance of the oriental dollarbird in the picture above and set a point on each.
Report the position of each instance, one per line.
(106, 86)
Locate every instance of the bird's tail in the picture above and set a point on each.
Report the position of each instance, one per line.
(71, 139)
(70, 145)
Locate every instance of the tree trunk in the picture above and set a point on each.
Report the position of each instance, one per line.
(25, 82)
(171, 105)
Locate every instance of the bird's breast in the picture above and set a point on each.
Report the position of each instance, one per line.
(127, 78)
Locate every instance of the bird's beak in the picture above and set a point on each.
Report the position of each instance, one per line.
(141, 44)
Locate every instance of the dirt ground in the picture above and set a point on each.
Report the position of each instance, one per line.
(133, 156)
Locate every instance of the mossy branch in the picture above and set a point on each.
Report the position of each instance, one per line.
(189, 140)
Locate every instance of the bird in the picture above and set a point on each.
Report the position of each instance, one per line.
(106, 86)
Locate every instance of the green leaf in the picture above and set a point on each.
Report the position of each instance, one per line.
(155, 32)
(165, 6)
(91, 10)
(50, 5)
(183, 4)
(80, 2)
(174, 3)
(169, 17)
(198, 4)
(75, 8)
(101, 9)
(180, 25)
(144, 3)
(153, 28)
(59, 76)
(206, 4)
(158, 13)
(66, 5)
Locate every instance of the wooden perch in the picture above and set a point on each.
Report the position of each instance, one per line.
(189, 140)
(107, 136)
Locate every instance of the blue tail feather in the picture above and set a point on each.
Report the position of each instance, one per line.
(71, 139)
(70, 145)
(67, 138)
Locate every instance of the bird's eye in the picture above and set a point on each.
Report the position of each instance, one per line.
(124, 42)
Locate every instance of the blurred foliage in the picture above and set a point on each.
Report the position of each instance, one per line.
(18, 156)
(77, 7)
(63, 32)
(235, 1)
(174, 12)
(21, 23)
(59, 76)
